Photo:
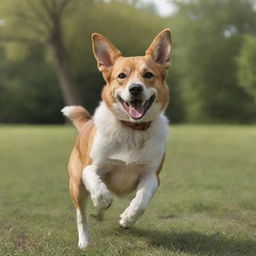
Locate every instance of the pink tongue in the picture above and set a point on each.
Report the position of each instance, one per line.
(136, 112)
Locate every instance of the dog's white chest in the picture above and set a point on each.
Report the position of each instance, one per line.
(124, 164)
(122, 155)
(130, 149)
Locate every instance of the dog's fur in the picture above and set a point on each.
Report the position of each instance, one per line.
(121, 148)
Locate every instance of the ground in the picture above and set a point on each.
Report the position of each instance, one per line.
(205, 204)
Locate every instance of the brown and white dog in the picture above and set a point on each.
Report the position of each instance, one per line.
(121, 148)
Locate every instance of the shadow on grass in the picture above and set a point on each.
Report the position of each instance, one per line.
(197, 243)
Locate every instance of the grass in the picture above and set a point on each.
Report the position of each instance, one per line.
(205, 205)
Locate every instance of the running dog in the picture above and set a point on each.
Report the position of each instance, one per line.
(121, 148)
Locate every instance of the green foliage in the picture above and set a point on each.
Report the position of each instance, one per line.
(127, 27)
(204, 206)
(28, 91)
(208, 81)
(21, 17)
(247, 65)
(208, 36)
(16, 52)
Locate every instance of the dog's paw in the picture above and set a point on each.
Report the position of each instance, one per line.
(128, 218)
(83, 244)
(102, 198)
(125, 223)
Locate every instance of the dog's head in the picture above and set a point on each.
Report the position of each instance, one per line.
(135, 89)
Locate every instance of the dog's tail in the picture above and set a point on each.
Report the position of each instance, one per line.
(77, 114)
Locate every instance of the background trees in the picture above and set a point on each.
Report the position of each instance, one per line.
(209, 35)
(46, 58)
(246, 65)
(41, 22)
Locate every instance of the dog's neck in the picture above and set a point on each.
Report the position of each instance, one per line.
(137, 126)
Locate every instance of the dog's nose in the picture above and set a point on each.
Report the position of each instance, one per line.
(135, 89)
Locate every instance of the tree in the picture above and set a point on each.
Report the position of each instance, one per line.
(129, 28)
(40, 22)
(208, 36)
(27, 91)
(247, 65)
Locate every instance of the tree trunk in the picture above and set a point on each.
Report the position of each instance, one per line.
(63, 70)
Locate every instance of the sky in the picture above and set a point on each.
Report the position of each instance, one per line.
(164, 7)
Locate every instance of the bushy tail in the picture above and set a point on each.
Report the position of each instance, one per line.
(77, 114)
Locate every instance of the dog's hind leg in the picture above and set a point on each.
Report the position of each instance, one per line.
(79, 196)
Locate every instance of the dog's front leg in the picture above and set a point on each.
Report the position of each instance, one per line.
(146, 188)
(101, 196)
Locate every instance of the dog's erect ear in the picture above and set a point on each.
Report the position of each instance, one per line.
(160, 48)
(104, 51)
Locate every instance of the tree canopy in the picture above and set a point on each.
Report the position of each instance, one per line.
(47, 62)
(247, 65)
(209, 36)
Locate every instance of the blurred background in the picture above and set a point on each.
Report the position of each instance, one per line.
(46, 61)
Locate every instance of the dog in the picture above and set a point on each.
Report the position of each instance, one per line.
(121, 149)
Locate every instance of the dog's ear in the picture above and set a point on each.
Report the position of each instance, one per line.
(104, 51)
(160, 48)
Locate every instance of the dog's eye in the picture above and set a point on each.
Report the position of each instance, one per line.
(148, 75)
(122, 76)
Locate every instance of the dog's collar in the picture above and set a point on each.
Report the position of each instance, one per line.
(137, 126)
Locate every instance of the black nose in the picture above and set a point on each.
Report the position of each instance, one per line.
(135, 89)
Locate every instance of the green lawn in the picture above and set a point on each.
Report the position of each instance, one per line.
(206, 204)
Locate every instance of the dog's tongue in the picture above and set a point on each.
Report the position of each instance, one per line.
(136, 110)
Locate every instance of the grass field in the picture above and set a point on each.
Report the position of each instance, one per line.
(206, 204)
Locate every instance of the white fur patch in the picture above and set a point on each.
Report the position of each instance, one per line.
(101, 196)
(146, 189)
(83, 237)
(69, 111)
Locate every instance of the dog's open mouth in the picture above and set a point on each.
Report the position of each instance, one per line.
(135, 108)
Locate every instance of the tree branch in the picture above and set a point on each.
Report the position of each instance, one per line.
(31, 21)
(47, 7)
(21, 40)
(62, 5)
(23, 16)
(39, 14)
